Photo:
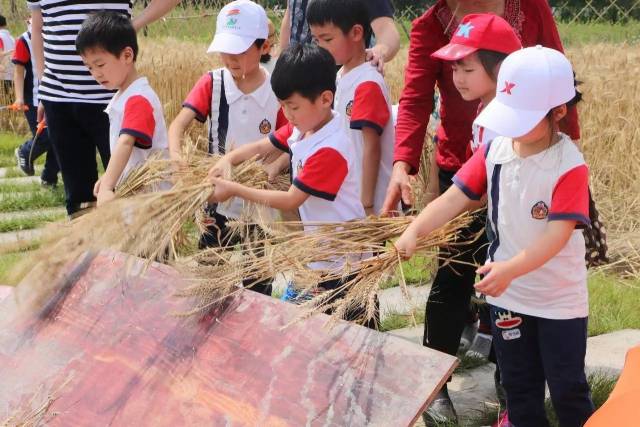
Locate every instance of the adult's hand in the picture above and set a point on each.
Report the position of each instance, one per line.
(399, 188)
(154, 11)
(387, 42)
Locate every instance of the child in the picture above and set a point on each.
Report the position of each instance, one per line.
(7, 44)
(478, 47)
(237, 101)
(25, 83)
(326, 185)
(108, 46)
(362, 97)
(535, 277)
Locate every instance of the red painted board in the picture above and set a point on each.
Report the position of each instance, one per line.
(109, 350)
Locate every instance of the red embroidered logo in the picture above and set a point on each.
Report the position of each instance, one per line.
(349, 108)
(540, 210)
(233, 12)
(507, 87)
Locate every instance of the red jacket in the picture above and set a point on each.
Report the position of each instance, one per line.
(534, 24)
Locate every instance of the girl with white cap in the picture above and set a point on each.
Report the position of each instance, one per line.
(535, 279)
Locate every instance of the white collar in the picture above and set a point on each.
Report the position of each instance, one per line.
(501, 152)
(334, 125)
(232, 93)
(354, 74)
(134, 86)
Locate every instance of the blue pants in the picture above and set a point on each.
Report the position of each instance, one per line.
(42, 145)
(532, 350)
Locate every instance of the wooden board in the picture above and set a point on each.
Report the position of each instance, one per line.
(108, 350)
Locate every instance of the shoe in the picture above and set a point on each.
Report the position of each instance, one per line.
(48, 184)
(481, 346)
(468, 335)
(441, 411)
(23, 163)
(503, 420)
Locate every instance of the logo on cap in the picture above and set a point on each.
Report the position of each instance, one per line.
(464, 30)
(507, 87)
(233, 12)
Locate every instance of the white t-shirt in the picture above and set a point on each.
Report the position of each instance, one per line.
(523, 195)
(362, 100)
(137, 111)
(323, 166)
(7, 44)
(234, 118)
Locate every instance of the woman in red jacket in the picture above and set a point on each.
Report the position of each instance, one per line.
(448, 304)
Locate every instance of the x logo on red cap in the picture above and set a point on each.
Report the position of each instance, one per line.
(507, 87)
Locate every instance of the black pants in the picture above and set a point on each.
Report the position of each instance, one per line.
(532, 350)
(220, 235)
(447, 308)
(42, 145)
(76, 130)
(356, 314)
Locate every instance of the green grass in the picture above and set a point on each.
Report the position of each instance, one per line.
(613, 304)
(29, 223)
(19, 187)
(7, 261)
(585, 33)
(44, 198)
(398, 321)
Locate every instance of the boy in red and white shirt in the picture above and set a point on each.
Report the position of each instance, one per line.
(362, 97)
(7, 44)
(326, 183)
(535, 276)
(108, 46)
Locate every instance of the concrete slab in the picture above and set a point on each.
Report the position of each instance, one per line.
(20, 236)
(392, 300)
(606, 353)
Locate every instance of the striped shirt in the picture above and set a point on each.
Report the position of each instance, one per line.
(66, 78)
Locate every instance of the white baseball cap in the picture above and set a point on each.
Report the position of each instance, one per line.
(239, 24)
(530, 83)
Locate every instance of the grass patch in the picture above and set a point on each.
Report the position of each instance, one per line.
(29, 223)
(7, 187)
(45, 198)
(7, 261)
(586, 33)
(398, 321)
(613, 304)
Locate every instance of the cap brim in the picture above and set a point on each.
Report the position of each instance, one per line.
(453, 52)
(230, 43)
(507, 121)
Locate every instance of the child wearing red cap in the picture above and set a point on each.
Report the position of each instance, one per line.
(476, 50)
(535, 279)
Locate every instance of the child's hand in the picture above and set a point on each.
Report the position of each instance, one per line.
(105, 196)
(223, 190)
(406, 244)
(222, 169)
(498, 277)
(273, 171)
(96, 187)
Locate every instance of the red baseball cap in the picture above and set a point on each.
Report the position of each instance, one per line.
(480, 31)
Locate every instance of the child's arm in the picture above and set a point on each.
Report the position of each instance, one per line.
(434, 215)
(277, 166)
(370, 166)
(260, 148)
(18, 84)
(283, 200)
(176, 132)
(500, 274)
(105, 186)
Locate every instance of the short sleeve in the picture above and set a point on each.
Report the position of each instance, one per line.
(370, 108)
(280, 137)
(379, 9)
(570, 198)
(199, 99)
(281, 120)
(472, 176)
(138, 121)
(323, 174)
(21, 54)
(1, 45)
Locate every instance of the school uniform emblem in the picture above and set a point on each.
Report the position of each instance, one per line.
(540, 210)
(299, 167)
(349, 108)
(265, 127)
(506, 320)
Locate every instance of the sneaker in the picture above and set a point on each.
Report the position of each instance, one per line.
(441, 411)
(23, 163)
(468, 335)
(503, 420)
(481, 346)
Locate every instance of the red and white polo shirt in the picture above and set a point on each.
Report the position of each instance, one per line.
(481, 135)
(362, 100)
(137, 111)
(523, 195)
(234, 118)
(323, 165)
